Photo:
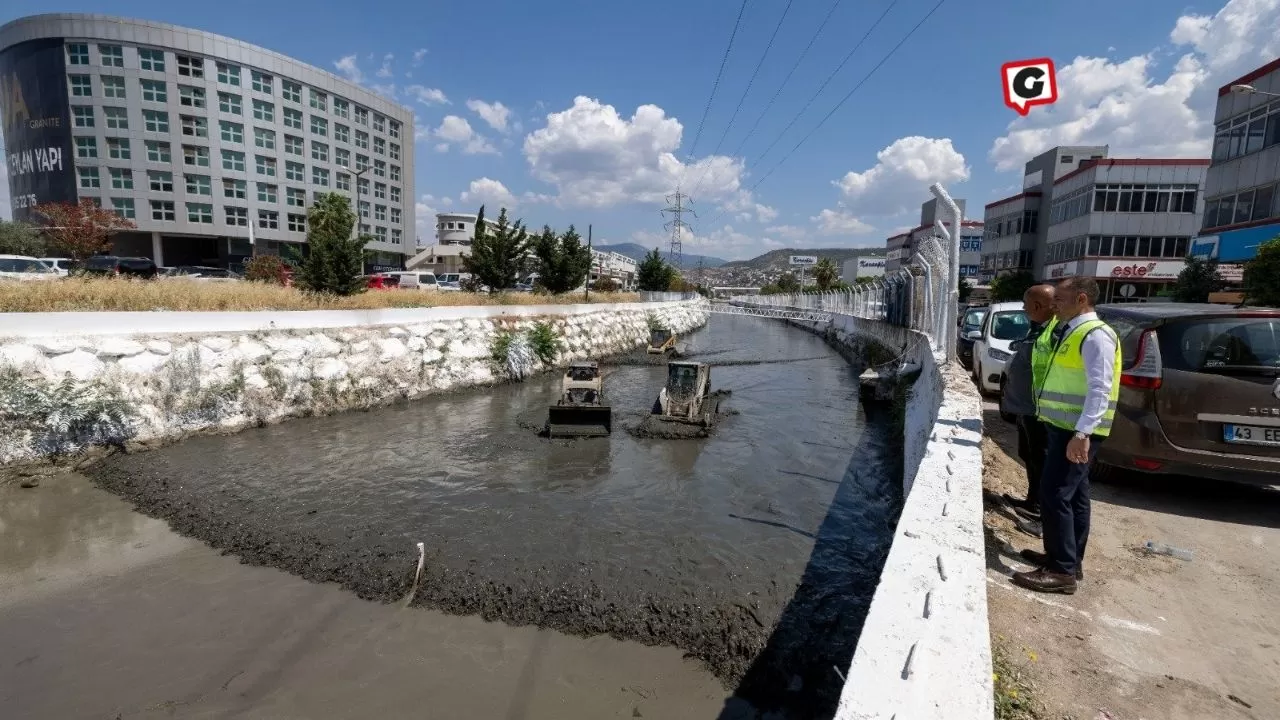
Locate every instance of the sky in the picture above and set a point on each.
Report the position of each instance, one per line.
(593, 112)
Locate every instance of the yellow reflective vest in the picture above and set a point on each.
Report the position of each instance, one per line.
(1060, 398)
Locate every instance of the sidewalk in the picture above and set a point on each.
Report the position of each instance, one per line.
(1146, 637)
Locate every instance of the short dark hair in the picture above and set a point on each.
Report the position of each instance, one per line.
(1086, 285)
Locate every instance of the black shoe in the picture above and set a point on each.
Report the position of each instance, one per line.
(1030, 527)
(1039, 559)
(1042, 580)
(1027, 512)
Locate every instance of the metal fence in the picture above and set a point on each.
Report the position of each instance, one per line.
(923, 295)
(655, 296)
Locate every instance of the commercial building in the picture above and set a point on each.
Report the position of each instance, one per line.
(902, 248)
(862, 267)
(193, 136)
(614, 266)
(1242, 186)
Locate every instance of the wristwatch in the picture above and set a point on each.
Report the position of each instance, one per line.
(1081, 436)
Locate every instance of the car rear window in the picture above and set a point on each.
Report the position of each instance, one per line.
(100, 261)
(1226, 345)
(1010, 325)
(23, 265)
(973, 319)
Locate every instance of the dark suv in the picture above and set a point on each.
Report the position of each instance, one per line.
(138, 267)
(1199, 392)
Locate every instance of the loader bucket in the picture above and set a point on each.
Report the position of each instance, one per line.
(579, 421)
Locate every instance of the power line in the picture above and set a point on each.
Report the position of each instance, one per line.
(715, 85)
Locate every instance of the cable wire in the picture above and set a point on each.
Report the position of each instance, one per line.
(715, 85)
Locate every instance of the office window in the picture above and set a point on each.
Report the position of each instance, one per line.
(190, 66)
(77, 54)
(395, 215)
(319, 176)
(232, 132)
(380, 234)
(264, 165)
(380, 191)
(229, 74)
(319, 151)
(162, 210)
(319, 126)
(86, 147)
(297, 223)
(341, 108)
(267, 193)
(154, 121)
(291, 91)
(395, 173)
(112, 86)
(118, 118)
(342, 157)
(89, 177)
(293, 118)
(229, 103)
(362, 186)
(112, 55)
(263, 110)
(261, 82)
(362, 116)
(151, 59)
(158, 152)
(295, 171)
(380, 213)
(362, 162)
(395, 151)
(268, 219)
(362, 140)
(265, 139)
(295, 197)
(123, 207)
(195, 155)
(341, 132)
(342, 181)
(189, 96)
(380, 168)
(379, 146)
(198, 184)
(292, 145)
(365, 229)
(121, 178)
(395, 236)
(82, 115)
(118, 149)
(201, 213)
(237, 216)
(234, 189)
(154, 91)
(395, 130)
(232, 160)
(395, 194)
(194, 126)
(81, 85)
(160, 181)
(379, 123)
(319, 100)
(364, 209)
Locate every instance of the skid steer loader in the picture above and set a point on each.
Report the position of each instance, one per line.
(581, 411)
(662, 342)
(686, 407)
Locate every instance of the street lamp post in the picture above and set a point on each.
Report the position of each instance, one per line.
(1242, 89)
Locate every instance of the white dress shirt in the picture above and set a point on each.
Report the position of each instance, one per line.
(1099, 354)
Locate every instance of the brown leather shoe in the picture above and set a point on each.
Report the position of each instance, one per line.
(1046, 582)
(1039, 559)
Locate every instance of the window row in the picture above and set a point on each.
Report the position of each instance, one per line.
(1012, 224)
(1174, 199)
(1249, 132)
(1127, 246)
(1011, 259)
(1253, 204)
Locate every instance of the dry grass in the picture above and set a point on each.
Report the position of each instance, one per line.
(112, 294)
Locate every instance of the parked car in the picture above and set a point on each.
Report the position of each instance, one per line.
(62, 266)
(1199, 392)
(382, 281)
(25, 268)
(418, 281)
(114, 265)
(203, 273)
(970, 322)
(1005, 324)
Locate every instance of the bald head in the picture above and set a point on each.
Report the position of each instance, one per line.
(1037, 301)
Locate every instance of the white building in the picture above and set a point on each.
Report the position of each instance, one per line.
(862, 267)
(615, 266)
(457, 228)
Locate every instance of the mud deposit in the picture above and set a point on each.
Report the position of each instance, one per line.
(755, 550)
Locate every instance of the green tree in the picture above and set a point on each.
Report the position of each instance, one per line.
(1262, 274)
(498, 254)
(825, 274)
(563, 261)
(787, 283)
(1198, 278)
(19, 238)
(654, 274)
(1011, 287)
(964, 290)
(334, 262)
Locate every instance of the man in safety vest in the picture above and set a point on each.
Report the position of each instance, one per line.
(1076, 401)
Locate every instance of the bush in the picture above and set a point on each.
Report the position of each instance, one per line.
(606, 285)
(545, 342)
(267, 269)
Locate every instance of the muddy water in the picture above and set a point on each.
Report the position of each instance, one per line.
(738, 549)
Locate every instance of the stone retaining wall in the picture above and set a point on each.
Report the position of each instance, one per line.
(72, 380)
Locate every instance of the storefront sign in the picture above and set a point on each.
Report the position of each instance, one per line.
(804, 260)
(1061, 270)
(1232, 273)
(37, 134)
(1141, 270)
(868, 267)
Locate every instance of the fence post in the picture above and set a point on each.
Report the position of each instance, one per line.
(953, 270)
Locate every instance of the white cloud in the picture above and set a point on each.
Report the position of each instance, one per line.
(349, 68)
(723, 242)
(790, 233)
(418, 55)
(840, 222)
(494, 113)
(900, 179)
(442, 147)
(1140, 111)
(595, 157)
(490, 192)
(385, 70)
(426, 95)
(454, 130)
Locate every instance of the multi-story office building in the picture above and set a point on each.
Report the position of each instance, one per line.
(897, 252)
(862, 267)
(902, 248)
(1242, 186)
(194, 136)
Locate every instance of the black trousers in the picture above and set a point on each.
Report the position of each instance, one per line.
(1064, 502)
(1031, 450)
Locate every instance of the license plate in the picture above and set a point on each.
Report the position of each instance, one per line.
(1251, 435)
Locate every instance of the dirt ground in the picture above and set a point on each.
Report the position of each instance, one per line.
(1146, 637)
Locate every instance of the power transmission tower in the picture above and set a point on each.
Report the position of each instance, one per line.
(699, 280)
(677, 207)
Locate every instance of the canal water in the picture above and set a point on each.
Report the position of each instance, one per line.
(754, 551)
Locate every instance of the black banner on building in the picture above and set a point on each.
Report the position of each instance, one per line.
(37, 127)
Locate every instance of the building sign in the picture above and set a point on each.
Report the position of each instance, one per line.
(969, 270)
(1232, 273)
(870, 267)
(970, 245)
(804, 260)
(1061, 270)
(1204, 248)
(1141, 270)
(37, 131)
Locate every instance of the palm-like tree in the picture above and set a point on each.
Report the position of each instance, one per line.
(825, 274)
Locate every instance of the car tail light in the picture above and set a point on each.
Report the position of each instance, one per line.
(1148, 372)
(1145, 464)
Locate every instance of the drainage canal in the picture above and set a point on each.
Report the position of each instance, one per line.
(755, 550)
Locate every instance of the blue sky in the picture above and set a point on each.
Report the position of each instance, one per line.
(600, 101)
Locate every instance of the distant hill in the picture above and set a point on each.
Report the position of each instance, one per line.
(637, 253)
(779, 260)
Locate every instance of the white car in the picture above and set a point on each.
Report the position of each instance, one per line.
(24, 268)
(418, 281)
(1005, 324)
(62, 266)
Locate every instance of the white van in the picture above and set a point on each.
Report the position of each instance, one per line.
(418, 281)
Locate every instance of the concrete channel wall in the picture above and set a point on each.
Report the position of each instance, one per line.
(178, 373)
